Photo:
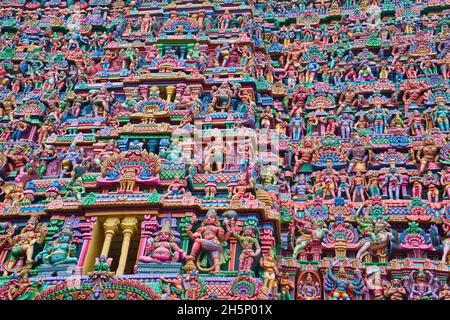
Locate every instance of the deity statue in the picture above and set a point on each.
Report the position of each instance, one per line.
(311, 234)
(61, 251)
(211, 188)
(308, 289)
(208, 238)
(416, 124)
(18, 158)
(300, 189)
(8, 105)
(214, 155)
(347, 100)
(306, 151)
(128, 180)
(431, 182)
(297, 127)
(374, 282)
(172, 289)
(441, 113)
(330, 179)
(110, 150)
(395, 290)
(376, 237)
(15, 194)
(359, 156)
(416, 181)
(293, 56)
(287, 285)
(23, 245)
(373, 184)
(428, 154)
(413, 93)
(248, 239)
(163, 247)
(445, 182)
(240, 190)
(393, 179)
(444, 294)
(75, 188)
(298, 101)
(379, 118)
(176, 189)
(340, 286)
(346, 122)
(358, 187)
(270, 273)
(267, 118)
(69, 159)
(422, 285)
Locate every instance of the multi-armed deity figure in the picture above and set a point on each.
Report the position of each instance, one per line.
(208, 238)
(23, 245)
(62, 250)
(340, 287)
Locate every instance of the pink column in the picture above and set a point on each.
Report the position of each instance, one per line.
(148, 227)
(86, 232)
(233, 247)
(32, 133)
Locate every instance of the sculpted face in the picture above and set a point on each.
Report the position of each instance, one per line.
(65, 237)
(308, 143)
(31, 226)
(164, 236)
(342, 274)
(210, 218)
(248, 231)
(396, 283)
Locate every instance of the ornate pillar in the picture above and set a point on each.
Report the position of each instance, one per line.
(148, 228)
(110, 228)
(184, 222)
(86, 232)
(129, 227)
(160, 49)
(170, 90)
(32, 133)
(233, 247)
(267, 240)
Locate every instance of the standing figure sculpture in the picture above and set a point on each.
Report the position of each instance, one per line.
(393, 180)
(270, 273)
(248, 239)
(208, 238)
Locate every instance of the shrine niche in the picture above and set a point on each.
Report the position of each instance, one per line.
(130, 168)
(309, 286)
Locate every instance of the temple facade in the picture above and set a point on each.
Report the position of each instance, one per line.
(224, 150)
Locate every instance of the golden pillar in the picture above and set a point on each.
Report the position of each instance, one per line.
(170, 90)
(129, 227)
(110, 228)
